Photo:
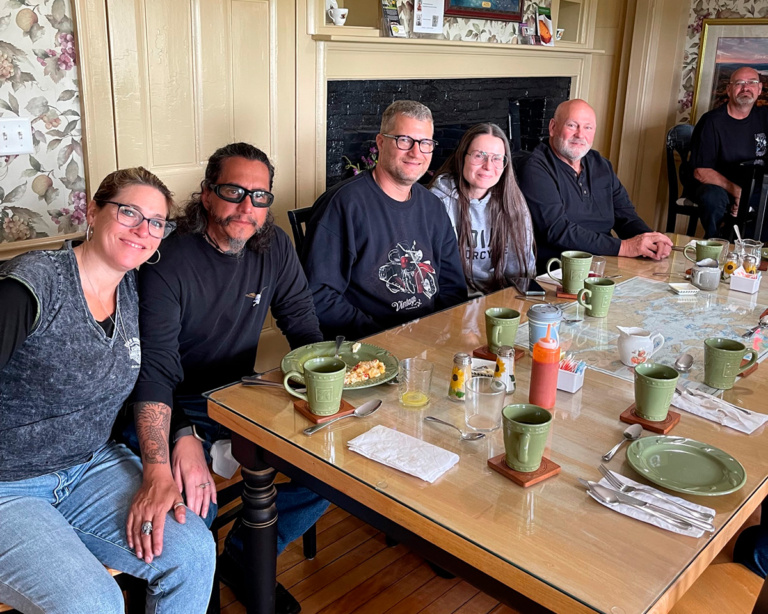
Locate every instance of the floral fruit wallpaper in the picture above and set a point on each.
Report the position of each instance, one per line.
(483, 30)
(41, 194)
(701, 10)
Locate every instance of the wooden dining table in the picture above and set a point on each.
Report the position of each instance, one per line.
(546, 547)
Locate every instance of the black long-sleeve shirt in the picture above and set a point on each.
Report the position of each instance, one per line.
(201, 313)
(573, 211)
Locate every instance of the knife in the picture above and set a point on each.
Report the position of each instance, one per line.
(621, 497)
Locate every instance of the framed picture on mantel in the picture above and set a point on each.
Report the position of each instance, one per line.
(504, 10)
(726, 45)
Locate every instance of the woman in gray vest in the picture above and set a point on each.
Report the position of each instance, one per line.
(69, 356)
(487, 209)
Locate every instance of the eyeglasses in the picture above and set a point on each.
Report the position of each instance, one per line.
(477, 157)
(234, 193)
(742, 83)
(130, 217)
(406, 143)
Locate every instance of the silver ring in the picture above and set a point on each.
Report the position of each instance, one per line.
(177, 504)
(146, 527)
(204, 485)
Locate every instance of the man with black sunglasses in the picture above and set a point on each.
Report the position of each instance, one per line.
(380, 249)
(202, 308)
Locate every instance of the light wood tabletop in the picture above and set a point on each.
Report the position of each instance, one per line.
(550, 542)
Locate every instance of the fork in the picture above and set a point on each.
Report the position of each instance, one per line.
(626, 488)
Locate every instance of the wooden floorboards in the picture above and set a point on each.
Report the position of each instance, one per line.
(355, 571)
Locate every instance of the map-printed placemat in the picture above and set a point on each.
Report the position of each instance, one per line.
(685, 321)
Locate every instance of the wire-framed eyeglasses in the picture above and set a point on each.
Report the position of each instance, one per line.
(130, 217)
(477, 157)
(746, 82)
(406, 142)
(233, 193)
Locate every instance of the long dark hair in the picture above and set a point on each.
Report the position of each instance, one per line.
(506, 208)
(195, 218)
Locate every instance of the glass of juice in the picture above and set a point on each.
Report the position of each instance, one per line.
(414, 381)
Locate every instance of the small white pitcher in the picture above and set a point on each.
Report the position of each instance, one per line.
(637, 345)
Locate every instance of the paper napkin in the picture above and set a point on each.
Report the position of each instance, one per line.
(640, 514)
(546, 279)
(404, 453)
(716, 410)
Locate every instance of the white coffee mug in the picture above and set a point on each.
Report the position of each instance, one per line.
(338, 16)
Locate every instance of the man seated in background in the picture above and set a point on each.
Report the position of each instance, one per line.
(380, 249)
(576, 199)
(202, 309)
(723, 139)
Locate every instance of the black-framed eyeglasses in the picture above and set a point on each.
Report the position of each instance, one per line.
(233, 193)
(405, 142)
(477, 157)
(743, 83)
(131, 217)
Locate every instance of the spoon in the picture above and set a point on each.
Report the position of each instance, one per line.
(684, 362)
(339, 341)
(631, 433)
(365, 410)
(530, 298)
(464, 435)
(762, 323)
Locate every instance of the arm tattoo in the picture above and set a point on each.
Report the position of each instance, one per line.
(153, 421)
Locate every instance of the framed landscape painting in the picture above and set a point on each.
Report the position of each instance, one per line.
(726, 45)
(504, 10)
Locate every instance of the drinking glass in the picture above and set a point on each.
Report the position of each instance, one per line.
(749, 247)
(597, 269)
(483, 401)
(414, 381)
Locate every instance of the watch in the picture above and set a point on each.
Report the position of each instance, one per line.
(187, 430)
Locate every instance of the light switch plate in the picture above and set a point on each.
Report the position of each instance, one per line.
(16, 136)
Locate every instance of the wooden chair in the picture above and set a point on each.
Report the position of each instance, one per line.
(725, 588)
(299, 219)
(679, 142)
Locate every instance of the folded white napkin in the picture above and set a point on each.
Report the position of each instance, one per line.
(640, 514)
(544, 278)
(404, 452)
(716, 410)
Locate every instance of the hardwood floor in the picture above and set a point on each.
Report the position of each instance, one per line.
(355, 571)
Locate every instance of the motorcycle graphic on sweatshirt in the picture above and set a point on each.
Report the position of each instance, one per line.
(405, 272)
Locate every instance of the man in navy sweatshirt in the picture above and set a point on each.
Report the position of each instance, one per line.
(380, 249)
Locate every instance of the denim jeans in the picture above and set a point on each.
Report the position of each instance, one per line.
(298, 508)
(59, 530)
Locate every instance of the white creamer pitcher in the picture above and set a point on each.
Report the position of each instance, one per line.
(637, 345)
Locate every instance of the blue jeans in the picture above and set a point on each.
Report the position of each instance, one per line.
(59, 530)
(298, 508)
(713, 202)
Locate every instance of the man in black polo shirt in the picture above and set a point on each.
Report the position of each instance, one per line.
(576, 199)
(724, 138)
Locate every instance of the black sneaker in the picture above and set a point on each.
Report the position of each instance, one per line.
(231, 573)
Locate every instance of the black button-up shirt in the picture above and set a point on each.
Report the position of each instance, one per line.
(577, 211)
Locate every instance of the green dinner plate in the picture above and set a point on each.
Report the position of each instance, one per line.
(294, 360)
(686, 466)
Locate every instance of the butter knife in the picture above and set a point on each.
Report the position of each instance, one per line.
(621, 497)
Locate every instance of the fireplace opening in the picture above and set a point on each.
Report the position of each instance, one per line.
(522, 106)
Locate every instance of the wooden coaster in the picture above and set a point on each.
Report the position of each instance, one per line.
(302, 407)
(751, 370)
(763, 265)
(560, 293)
(485, 353)
(630, 417)
(547, 469)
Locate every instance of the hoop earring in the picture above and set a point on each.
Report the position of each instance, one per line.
(156, 261)
(88, 231)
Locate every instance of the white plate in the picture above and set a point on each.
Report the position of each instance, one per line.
(483, 368)
(684, 288)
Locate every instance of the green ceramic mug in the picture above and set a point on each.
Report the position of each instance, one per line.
(324, 378)
(526, 428)
(704, 249)
(722, 361)
(599, 290)
(654, 388)
(501, 327)
(575, 268)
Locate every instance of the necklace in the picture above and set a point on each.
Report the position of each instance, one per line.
(118, 318)
(214, 244)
